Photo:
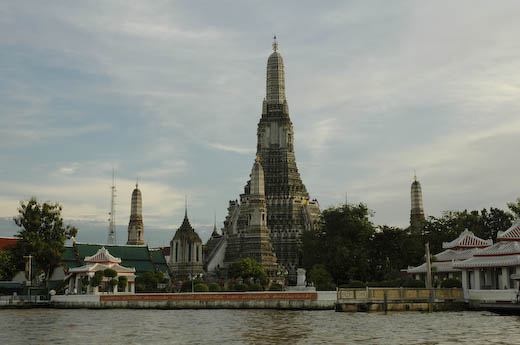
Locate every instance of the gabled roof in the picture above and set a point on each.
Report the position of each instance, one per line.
(511, 234)
(467, 240)
(102, 266)
(102, 256)
(7, 241)
(501, 249)
(446, 260)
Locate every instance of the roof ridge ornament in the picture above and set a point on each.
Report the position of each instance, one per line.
(275, 44)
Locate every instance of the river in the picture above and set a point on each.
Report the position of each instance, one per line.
(123, 326)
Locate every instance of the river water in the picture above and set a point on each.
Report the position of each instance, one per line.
(123, 326)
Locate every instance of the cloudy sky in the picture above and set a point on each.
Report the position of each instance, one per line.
(171, 92)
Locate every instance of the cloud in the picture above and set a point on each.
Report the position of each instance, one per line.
(230, 148)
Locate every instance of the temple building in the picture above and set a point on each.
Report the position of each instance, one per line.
(135, 226)
(289, 211)
(492, 273)
(186, 256)
(417, 211)
(444, 265)
(78, 278)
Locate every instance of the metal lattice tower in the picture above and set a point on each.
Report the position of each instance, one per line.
(112, 239)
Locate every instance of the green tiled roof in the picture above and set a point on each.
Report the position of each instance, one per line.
(140, 257)
(159, 260)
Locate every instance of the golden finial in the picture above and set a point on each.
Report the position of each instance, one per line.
(414, 175)
(275, 44)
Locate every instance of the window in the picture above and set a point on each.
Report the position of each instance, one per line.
(198, 253)
(176, 251)
(189, 251)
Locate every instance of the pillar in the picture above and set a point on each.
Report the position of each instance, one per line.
(477, 279)
(465, 284)
(505, 279)
(132, 287)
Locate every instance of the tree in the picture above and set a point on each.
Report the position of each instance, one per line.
(247, 269)
(514, 207)
(342, 244)
(321, 278)
(42, 235)
(7, 265)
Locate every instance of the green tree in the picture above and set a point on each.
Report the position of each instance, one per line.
(321, 278)
(247, 269)
(342, 243)
(7, 265)
(514, 207)
(42, 235)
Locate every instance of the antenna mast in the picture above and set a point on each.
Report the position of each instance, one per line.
(112, 219)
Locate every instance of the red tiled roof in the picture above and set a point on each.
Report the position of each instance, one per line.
(6, 241)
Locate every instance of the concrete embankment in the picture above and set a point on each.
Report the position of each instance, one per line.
(210, 300)
(400, 299)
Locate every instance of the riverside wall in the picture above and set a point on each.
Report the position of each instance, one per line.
(399, 299)
(211, 300)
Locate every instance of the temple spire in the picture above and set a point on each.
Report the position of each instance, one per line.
(275, 93)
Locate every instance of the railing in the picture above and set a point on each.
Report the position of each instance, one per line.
(374, 295)
(493, 295)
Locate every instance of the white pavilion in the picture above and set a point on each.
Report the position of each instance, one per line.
(461, 248)
(99, 262)
(491, 274)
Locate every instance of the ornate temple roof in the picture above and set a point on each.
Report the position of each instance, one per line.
(511, 234)
(102, 256)
(186, 231)
(467, 240)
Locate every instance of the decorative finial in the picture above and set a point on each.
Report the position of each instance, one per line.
(137, 182)
(257, 159)
(185, 205)
(414, 175)
(275, 43)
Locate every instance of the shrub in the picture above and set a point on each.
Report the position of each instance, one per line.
(214, 287)
(112, 283)
(451, 283)
(123, 282)
(276, 287)
(354, 284)
(200, 287)
(110, 273)
(186, 285)
(413, 283)
(256, 287)
(98, 278)
(240, 287)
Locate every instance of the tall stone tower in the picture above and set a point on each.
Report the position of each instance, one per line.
(417, 211)
(250, 238)
(290, 211)
(135, 226)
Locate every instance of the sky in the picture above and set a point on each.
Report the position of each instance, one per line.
(170, 93)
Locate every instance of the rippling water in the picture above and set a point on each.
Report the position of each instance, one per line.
(122, 326)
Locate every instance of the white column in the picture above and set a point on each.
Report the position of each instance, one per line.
(477, 278)
(132, 287)
(505, 278)
(465, 283)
